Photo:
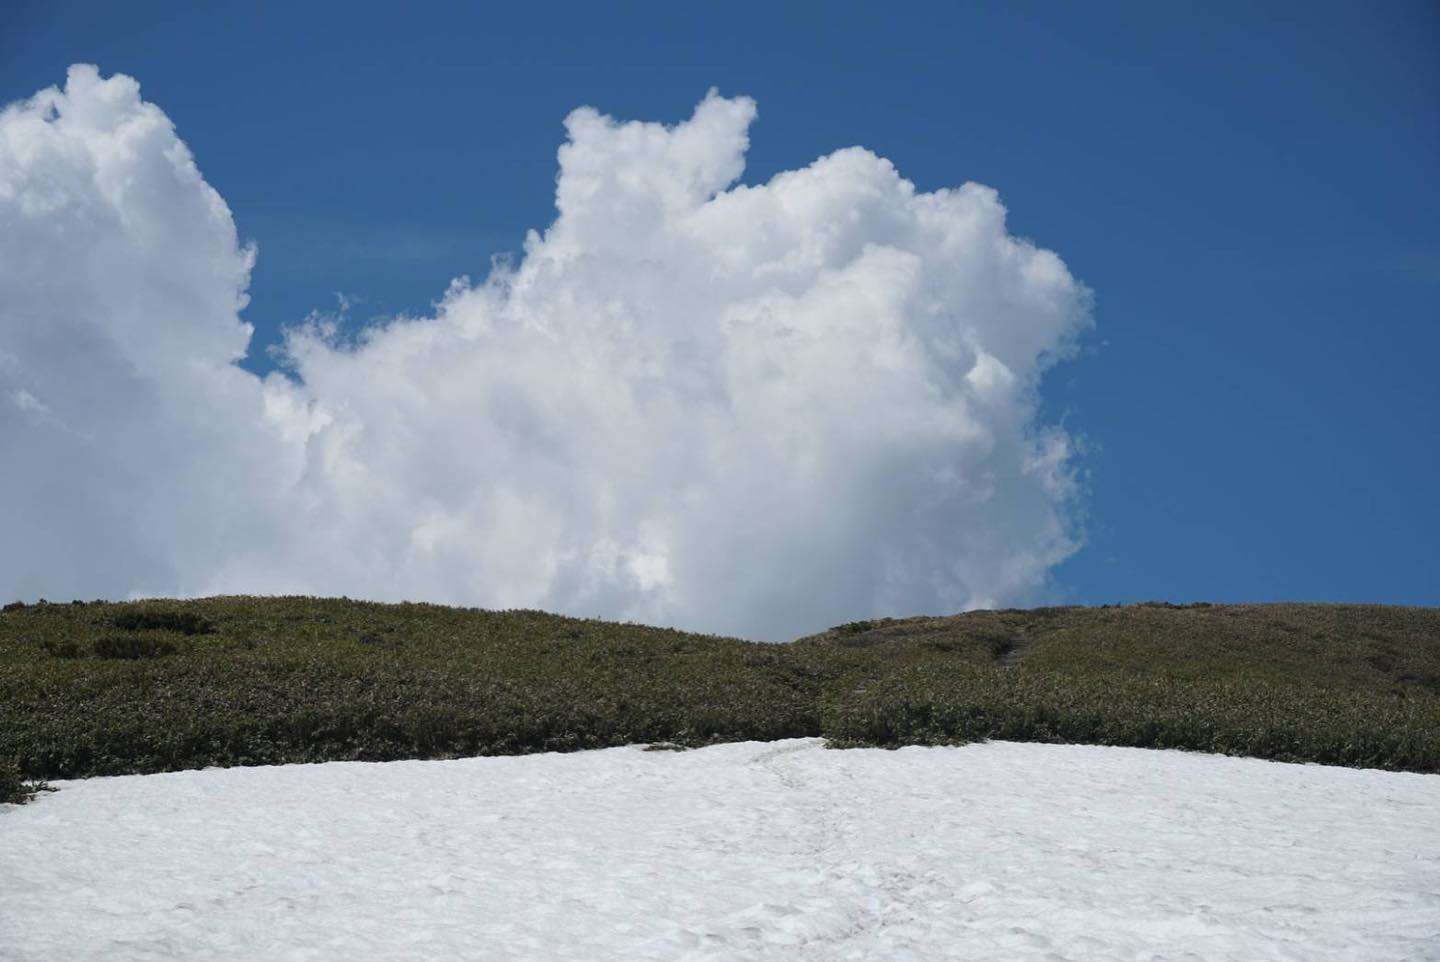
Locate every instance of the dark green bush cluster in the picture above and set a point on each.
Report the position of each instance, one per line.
(65, 648)
(148, 619)
(122, 646)
(153, 686)
(15, 789)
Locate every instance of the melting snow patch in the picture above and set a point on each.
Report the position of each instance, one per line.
(782, 850)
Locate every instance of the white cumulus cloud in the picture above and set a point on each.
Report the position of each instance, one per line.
(756, 410)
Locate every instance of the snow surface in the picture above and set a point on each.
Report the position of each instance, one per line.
(779, 850)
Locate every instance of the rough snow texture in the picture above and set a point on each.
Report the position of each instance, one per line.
(782, 850)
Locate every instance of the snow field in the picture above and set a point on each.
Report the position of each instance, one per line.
(780, 850)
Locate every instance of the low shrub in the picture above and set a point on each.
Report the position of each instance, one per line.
(273, 680)
(64, 648)
(942, 705)
(15, 789)
(145, 619)
(133, 647)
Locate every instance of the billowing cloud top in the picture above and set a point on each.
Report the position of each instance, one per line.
(756, 410)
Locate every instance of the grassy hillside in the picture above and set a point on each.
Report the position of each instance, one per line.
(1338, 684)
(92, 689)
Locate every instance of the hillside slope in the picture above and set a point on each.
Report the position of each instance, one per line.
(101, 688)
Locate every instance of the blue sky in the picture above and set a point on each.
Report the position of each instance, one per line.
(1249, 192)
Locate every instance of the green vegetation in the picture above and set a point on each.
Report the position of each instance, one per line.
(14, 788)
(1341, 685)
(100, 689)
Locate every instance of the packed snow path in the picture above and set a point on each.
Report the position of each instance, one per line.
(782, 850)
